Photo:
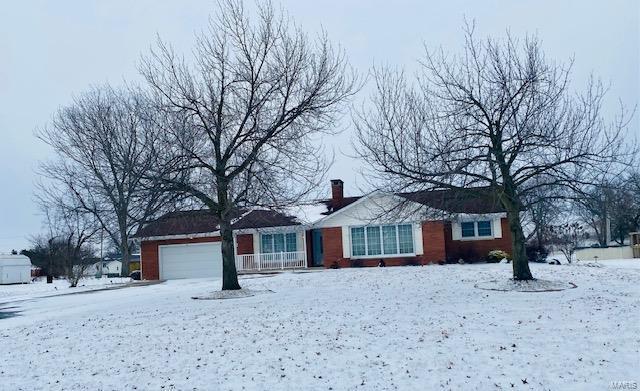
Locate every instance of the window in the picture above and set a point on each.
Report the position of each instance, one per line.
(471, 229)
(291, 244)
(378, 240)
(389, 239)
(276, 243)
(358, 243)
(266, 243)
(405, 239)
(373, 241)
(468, 229)
(484, 228)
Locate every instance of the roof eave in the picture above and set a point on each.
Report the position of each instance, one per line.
(179, 236)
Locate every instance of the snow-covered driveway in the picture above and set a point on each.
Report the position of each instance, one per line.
(404, 328)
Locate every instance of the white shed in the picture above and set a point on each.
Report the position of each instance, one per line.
(14, 269)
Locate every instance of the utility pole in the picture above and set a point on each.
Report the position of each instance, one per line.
(101, 260)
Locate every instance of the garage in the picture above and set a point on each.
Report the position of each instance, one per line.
(194, 260)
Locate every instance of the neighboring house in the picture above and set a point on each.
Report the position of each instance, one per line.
(403, 229)
(134, 260)
(107, 267)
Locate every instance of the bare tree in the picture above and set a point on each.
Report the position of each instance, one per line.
(244, 120)
(67, 247)
(609, 207)
(102, 155)
(40, 252)
(566, 238)
(498, 115)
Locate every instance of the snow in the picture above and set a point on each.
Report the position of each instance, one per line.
(536, 285)
(308, 213)
(394, 328)
(40, 288)
(235, 294)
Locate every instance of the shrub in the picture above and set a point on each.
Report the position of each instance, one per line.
(356, 263)
(411, 262)
(496, 256)
(537, 253)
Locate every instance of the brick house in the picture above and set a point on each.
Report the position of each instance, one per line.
(401, 229)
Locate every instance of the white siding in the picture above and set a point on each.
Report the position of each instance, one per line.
(417, 239)
(346, 242)
(377, 208)
(256, 243)
(497, 227)
(456, 231)
(300, 241)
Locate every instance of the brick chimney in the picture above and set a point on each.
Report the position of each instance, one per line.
(337, 193)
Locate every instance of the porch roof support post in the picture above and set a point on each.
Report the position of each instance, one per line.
(304, 248)
(235, 252)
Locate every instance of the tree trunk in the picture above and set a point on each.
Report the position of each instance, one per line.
(124, 272)
(229, 273)
(518, 251)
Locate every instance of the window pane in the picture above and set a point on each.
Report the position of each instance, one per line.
(468, 229)
(291, 242)
(266, 243)
(278, 243)
(373, 241)
(357, 241)
(484, 228)
(405, 238)
(389, 243)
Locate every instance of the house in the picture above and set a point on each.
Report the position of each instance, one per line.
(400, 228)
(107, 267)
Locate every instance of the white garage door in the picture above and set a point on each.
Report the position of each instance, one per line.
(190, 261)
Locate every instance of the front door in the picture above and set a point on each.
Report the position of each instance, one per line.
(316, 244)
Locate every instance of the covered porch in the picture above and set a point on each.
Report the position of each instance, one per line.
(271, 261)
(273, 248)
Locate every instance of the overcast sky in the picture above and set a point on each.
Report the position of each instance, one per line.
(51, 50)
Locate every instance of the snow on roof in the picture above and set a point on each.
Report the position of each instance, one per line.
(308, 213)
(14, 260)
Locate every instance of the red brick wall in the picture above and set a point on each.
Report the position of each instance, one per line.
(245, 244)
(475, 250)
(332, 247)
(149, 254)
(433, 241)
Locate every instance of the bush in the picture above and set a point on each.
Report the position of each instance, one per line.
(411, 262)
(537, 253)
(496, 256)
(356, 262)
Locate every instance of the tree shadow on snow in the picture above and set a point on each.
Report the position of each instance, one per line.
(8, 312)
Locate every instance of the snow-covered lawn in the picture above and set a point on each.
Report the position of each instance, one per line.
(40, 288)
(401, 328)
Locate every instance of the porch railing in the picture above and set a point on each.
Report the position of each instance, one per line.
(271, 261)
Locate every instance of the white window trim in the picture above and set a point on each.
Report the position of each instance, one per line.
(272, 234)
(382, 254)
(475, 230)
